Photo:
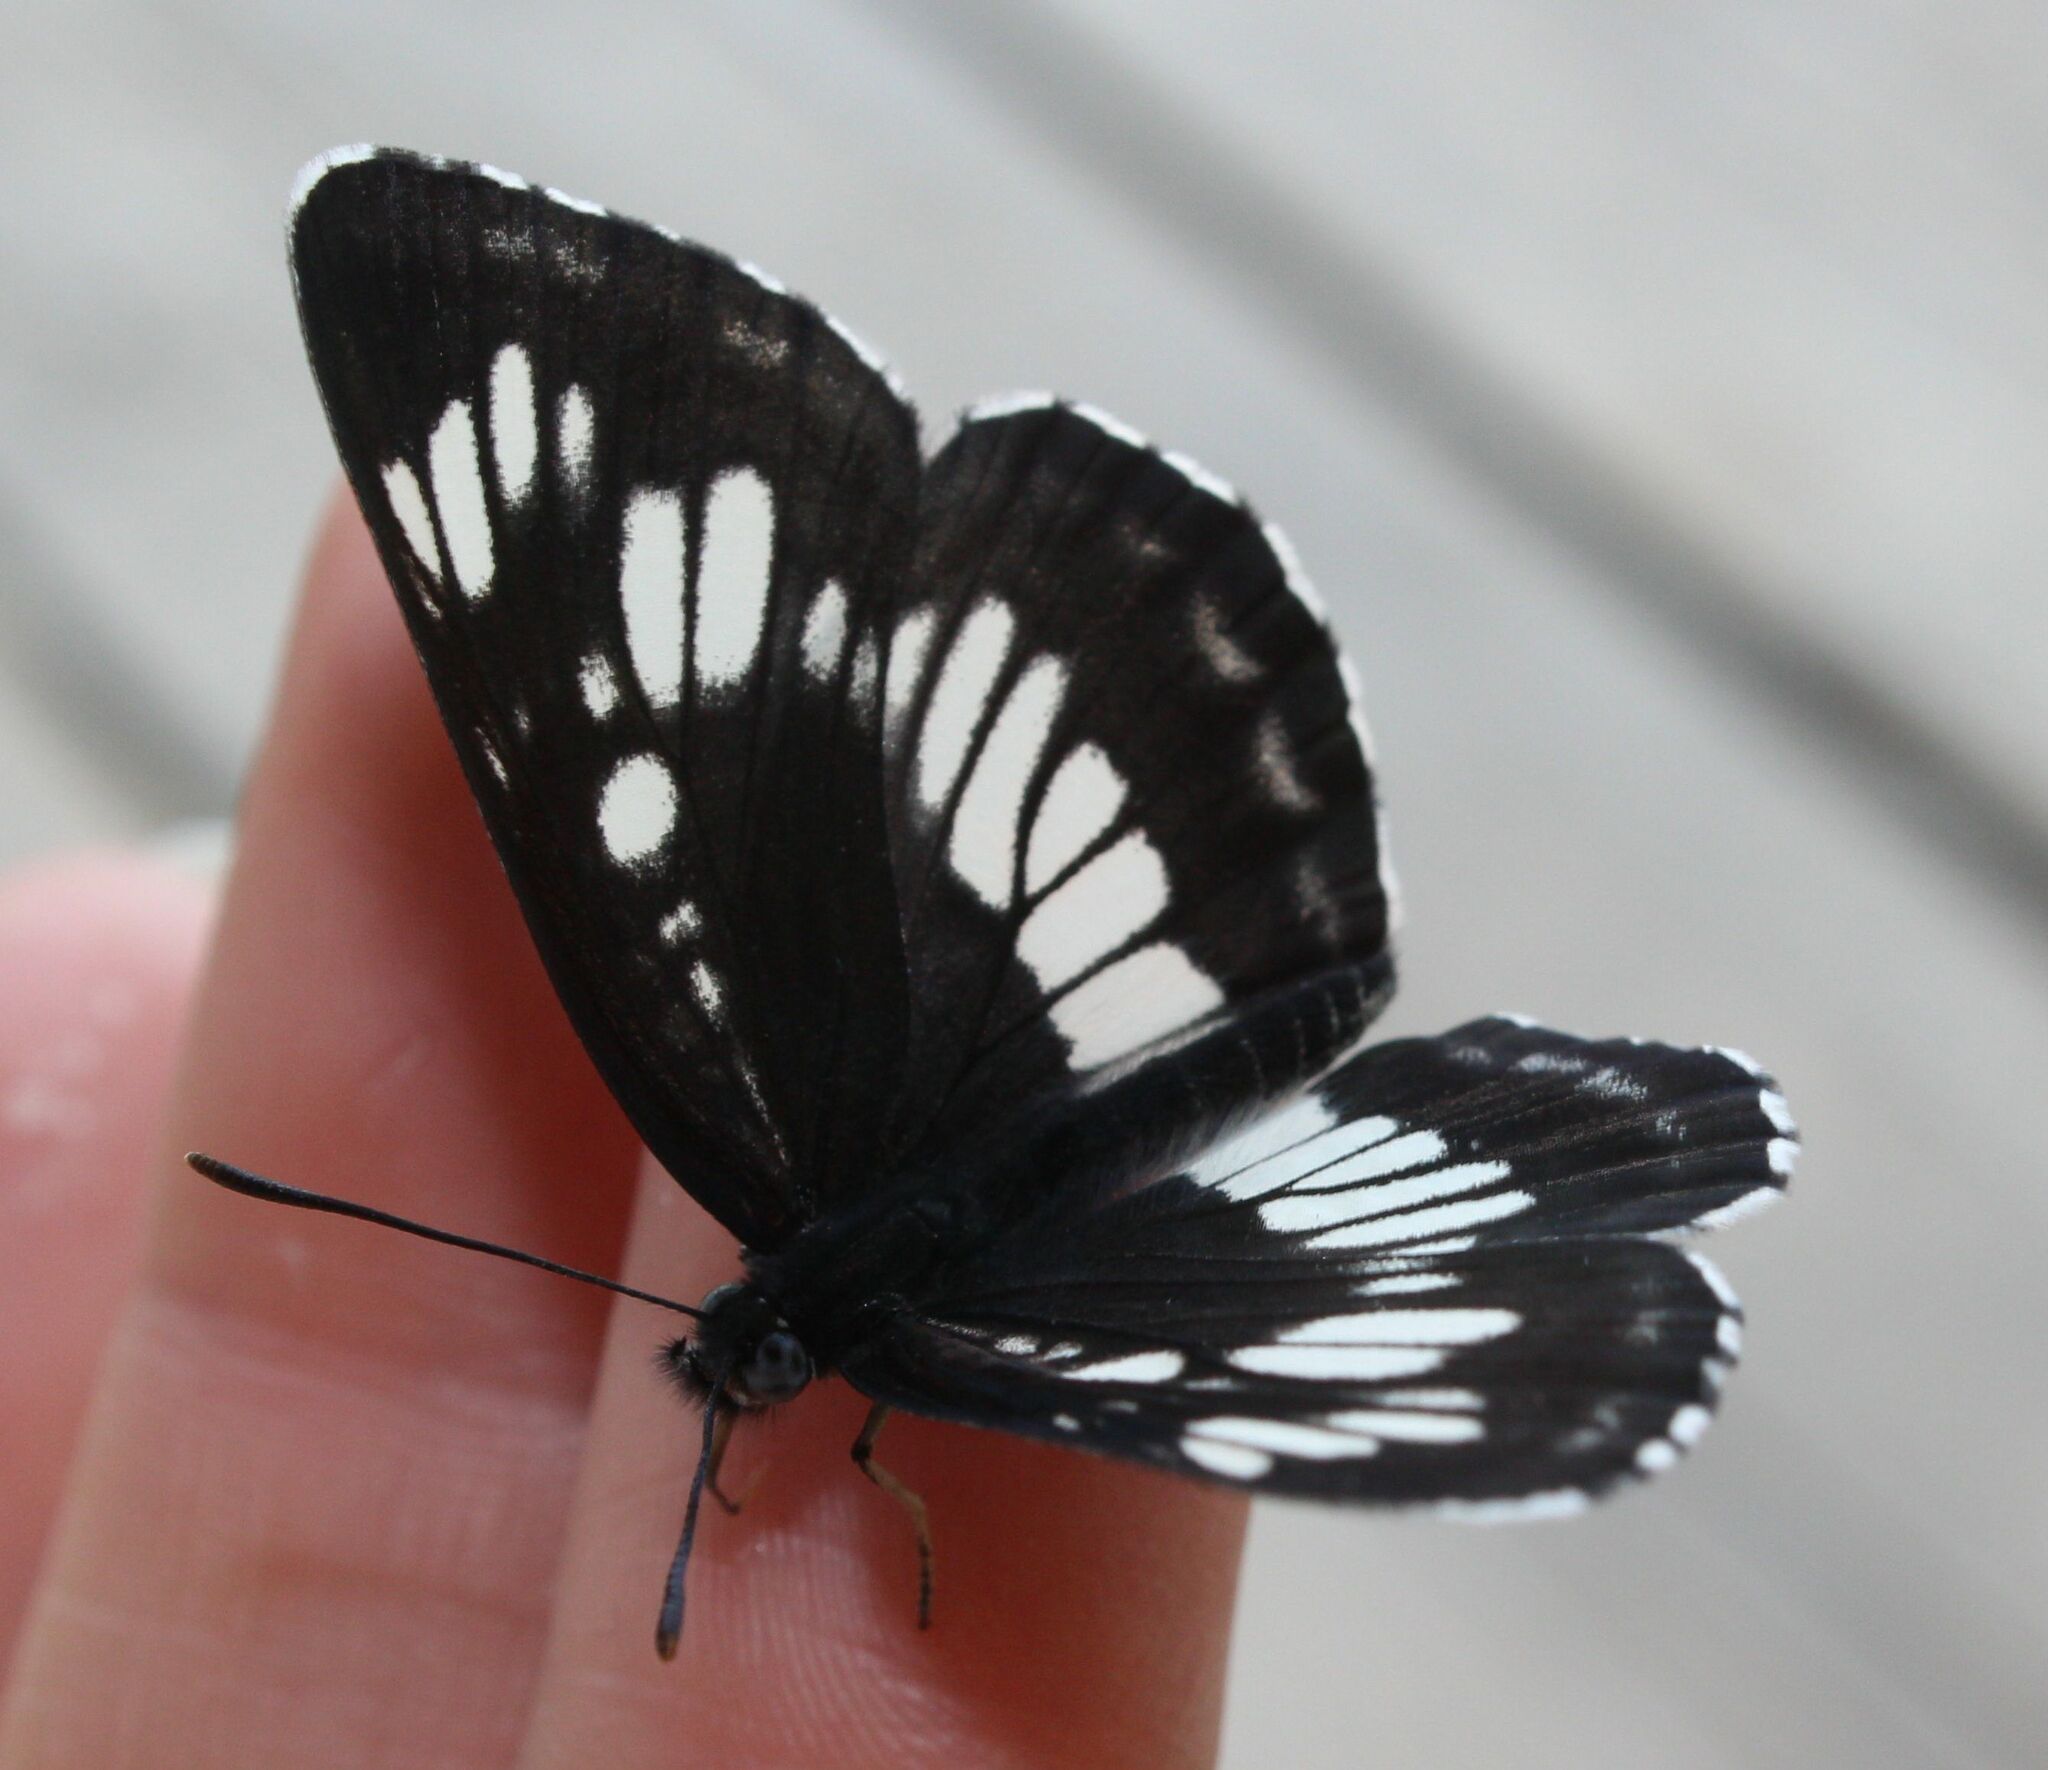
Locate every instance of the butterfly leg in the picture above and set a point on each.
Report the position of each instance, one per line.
(864, 1460)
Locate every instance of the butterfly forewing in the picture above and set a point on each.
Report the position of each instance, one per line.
(1426, 1278)
(1129, 799)
(863, 812)
(645, 514)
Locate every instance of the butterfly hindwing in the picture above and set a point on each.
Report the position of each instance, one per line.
(1429, 1277)
(1129, 795)
(645, 513)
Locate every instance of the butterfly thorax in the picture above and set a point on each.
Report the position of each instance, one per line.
(803, 1308)
(840, 1278)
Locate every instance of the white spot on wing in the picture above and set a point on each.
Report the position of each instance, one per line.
(1441, 1220)
(1315, 1160)
(1688, 1424)
(1411, 1427)
(1339, 1364)
(867, 667)
(906, 659)
(1007, 405)
(704, 985)
(1724, 1292)
(985, 833)
(736, 551)
(824, 636)
(1115, 427)
(1297, 579)
(1746, 1205)
(1562, 1502)
(515, 431)
(681, 922)
(1290, 1438)
(582, 205)
(1144, 996)
(1118, 894)
(957, 704)
(1566, 1063)
(1390, 1155)
(1608, 1083)
(458, 482)
(1390, 881)
(1354, 695)
(600, 687)
(651, 591)
(1325, 1210)
(1225, 656)
(1196, 474)
(867, 353)
(1404, 1327)
(1741, 1059)
(1080, 802)
(1241, 1462)
(1136, 1367)
(757, 347)
(508, 243)
(637, 808)
(318, 168)
(1403, 1284)
(1226, 1165)
(575, 441)
(1277, 764)
(409, 506)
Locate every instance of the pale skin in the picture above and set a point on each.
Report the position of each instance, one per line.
(337, 1498)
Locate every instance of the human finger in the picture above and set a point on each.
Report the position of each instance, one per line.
(317, 1509)
(97, 957)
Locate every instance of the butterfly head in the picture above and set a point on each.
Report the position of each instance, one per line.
(742, 1334)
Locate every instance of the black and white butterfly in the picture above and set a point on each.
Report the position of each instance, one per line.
(966, 873)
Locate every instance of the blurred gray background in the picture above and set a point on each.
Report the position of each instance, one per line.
(1659, 395)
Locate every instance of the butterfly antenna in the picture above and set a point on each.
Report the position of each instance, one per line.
(669, 1630)
(276, 1192)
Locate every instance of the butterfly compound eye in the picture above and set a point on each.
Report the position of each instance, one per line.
(777, 1369)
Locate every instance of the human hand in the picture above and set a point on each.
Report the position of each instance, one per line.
(347, 1499)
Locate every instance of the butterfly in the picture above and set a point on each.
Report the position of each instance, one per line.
(967, 874)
